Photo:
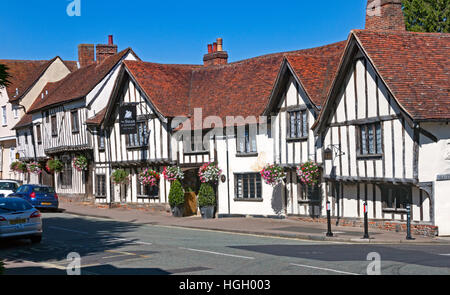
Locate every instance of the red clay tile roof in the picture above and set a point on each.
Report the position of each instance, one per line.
(98, 118)
(316, 70)
(24, 74)
(415, 67)
(77, 84)
(236, 89)
(24, 121)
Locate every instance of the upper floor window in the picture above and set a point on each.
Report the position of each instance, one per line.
(194, 143)
(246, 140)
(38, 134)
(15, 112)
(26, 137)
(101, 139)
(4, 116)
(140, 138)
(74, 121)
(298, 124)
(54, 126)
(370, 143)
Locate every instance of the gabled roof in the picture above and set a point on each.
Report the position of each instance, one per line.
(26, 120)
(415, 67)
(98, 118)
(240, 88)
(24, 73)
(77, 84)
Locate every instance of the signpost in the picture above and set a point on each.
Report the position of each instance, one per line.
(127, 119)
(408, 222)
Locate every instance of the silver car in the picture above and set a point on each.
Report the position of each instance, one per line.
(19, 220)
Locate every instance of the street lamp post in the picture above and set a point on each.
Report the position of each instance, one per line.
(408, 222)
(366, 222)
(329, 233)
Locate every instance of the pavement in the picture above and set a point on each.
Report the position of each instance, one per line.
(284, 228)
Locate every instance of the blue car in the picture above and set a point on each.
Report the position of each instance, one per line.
(40, 196)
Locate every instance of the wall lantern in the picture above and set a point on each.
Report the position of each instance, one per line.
(17, 156)
(223, 178)
(330, 150)
(328, 154)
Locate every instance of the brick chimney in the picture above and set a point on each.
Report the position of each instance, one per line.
(86, 54)
(385, 15)
(106, 50)
(215, 55)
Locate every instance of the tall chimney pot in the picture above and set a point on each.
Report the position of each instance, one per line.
(110, 40)
(103, 51)
(214, 47)
(210, 50)
(219, 44)
(215, 55)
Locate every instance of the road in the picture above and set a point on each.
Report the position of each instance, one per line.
(111, 247)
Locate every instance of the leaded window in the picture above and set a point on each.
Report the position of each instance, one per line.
(246, 139)
(370, 141)
(140, 138)
(298, 124)
(248, 186)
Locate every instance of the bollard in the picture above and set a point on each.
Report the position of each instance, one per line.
(366, 222)
(329, 233)
(408, 222)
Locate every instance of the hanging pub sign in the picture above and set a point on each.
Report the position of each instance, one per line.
(127, 119)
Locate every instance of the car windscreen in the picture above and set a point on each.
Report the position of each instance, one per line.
(22, 189)
(14, 205)
(43, 190)
(10, 186)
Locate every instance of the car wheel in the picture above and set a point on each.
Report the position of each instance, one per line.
(36, 239)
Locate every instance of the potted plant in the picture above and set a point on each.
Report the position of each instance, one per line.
(209, 172)
(273, 174)
(53, 166)
(308, 173)
(34, 167)
(206, 200)
(80, 163)
(176, 199)
(149, 177)
(173, 173)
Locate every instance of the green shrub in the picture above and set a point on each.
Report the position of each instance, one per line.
(206, 196)
(176, 194)
(120, 176)
(54, 165)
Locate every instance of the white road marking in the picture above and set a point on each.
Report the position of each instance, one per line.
(444, 254)
(69, 230)
(217, 253)
(135, 242)
(326, 269)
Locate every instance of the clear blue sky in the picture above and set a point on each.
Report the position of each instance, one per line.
(171, 31)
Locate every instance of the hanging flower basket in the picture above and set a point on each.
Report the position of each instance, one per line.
(15, 166)
(273, 174)
(209, 172)
(80, 163)
(308, 173)
(149, 177)
(35, 168)
(173, 173)
(53, 166)
(120, 176)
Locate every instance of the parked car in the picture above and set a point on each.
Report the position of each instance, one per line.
(19, 220)
(40, 196)
(8, 187)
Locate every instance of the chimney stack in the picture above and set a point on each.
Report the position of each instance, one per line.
(215, 55)
(106, 50)
(386, 15)
(86, 54)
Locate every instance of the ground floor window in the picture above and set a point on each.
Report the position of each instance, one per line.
(395, 197)
(100, 183)
(147, 191)
(248, 186)
(309, 193)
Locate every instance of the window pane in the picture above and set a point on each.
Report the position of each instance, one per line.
(371, 140)
(251, 179)
(293, 125)
(379, 145)
(363, 140)
(245, 185)
(239, 186)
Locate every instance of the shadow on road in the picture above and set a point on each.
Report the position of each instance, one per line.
(411, 254)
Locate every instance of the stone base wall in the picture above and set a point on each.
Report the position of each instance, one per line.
(389, 225)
